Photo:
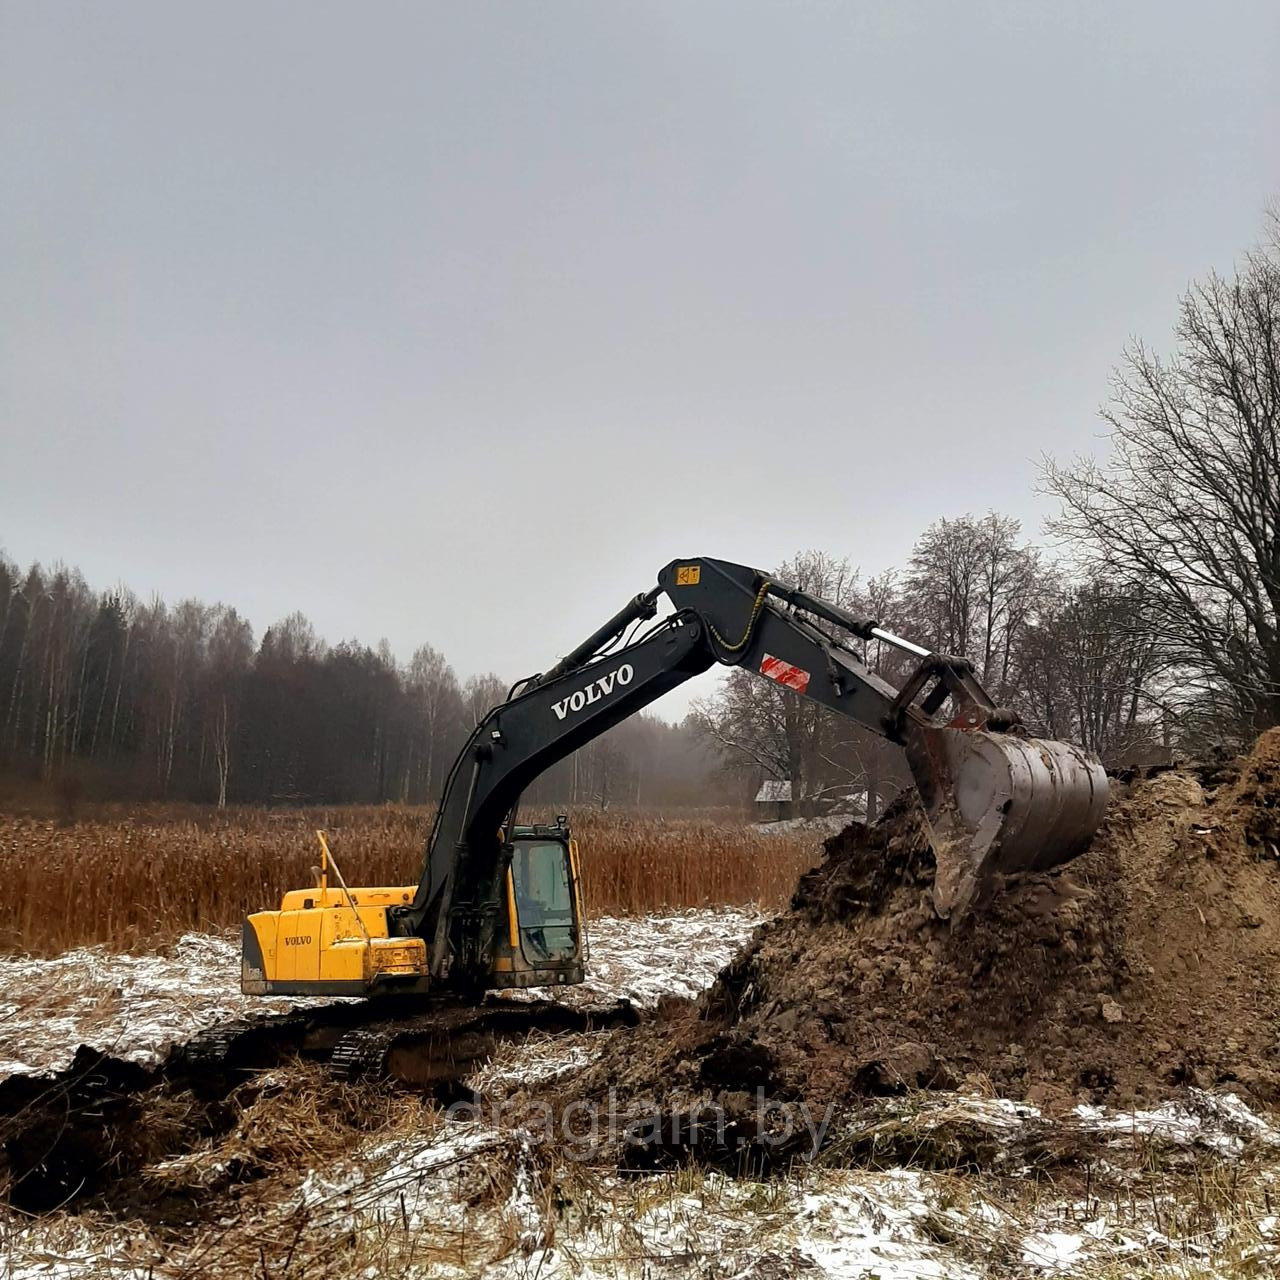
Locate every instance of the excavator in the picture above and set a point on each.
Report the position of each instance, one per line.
(500, 903)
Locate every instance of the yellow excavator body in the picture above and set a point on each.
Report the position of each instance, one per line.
(334, 941)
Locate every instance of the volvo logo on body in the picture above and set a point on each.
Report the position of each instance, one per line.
(596, 690)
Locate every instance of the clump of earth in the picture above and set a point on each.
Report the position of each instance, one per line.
(1149, 964)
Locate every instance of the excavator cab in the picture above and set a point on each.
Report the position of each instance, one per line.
(544, 942)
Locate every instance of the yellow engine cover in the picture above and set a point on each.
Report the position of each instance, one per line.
(318, 943)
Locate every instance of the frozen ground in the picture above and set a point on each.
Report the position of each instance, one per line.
(1184, 1190)
(469, 1200)
(137, 1006)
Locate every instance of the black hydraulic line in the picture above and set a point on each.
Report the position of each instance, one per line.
(863, 628)
(645, 605)
(623, 636)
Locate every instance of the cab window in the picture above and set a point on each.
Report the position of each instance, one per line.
(544, 900)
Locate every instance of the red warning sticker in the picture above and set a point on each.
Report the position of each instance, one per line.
(784, 673)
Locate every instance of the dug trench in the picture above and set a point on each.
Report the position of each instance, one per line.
(88, 1135)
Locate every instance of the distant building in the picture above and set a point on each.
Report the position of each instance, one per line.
(773, 801)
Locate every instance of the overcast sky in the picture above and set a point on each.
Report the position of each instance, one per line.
(456, 322)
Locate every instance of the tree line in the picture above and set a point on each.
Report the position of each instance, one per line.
(135, 699)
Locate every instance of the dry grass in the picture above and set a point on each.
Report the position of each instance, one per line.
(133, 880)
(421, 1200)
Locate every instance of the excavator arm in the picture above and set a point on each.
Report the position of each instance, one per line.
(996, 800)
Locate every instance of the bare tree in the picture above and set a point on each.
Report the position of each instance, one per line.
(1187, 508)
(969, 590)
(435, 700)
(942, 588)
(1074, 681)
(230, 650)
(480, 695)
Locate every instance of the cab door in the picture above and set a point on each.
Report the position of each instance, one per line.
(544, 889)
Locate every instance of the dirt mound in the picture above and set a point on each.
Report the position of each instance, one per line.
(1152, 961)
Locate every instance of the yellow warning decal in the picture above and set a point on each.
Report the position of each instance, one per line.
(687, 575)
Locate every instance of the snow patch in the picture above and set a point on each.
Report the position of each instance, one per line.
(644, 958)
(1218, 1122)
(138, 1006)
(134, 1007)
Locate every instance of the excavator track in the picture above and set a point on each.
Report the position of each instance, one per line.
(417, 1041)
(360, 1054)
(435, 1050)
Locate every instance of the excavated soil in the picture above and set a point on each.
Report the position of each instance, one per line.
(1150, 963)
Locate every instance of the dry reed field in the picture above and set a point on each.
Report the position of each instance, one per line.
(141, 878)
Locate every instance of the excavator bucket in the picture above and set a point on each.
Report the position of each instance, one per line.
(997, 804)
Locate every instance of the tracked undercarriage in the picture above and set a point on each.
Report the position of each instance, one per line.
(418, 1042)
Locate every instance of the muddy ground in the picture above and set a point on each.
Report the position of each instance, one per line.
(149, 1058)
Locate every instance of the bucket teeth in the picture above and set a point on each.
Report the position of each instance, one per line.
(997, 804)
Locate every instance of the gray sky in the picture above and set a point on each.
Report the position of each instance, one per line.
(456, 322)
